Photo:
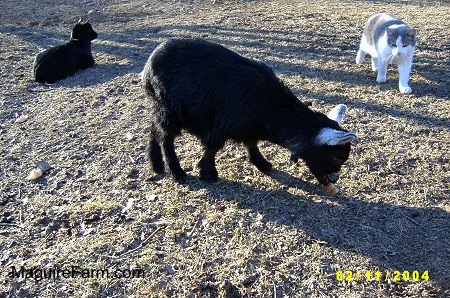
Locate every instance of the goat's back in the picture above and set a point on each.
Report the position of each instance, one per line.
(211, 88)
(61, 61)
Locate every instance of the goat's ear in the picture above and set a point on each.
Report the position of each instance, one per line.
(333, 137)
(338, 113)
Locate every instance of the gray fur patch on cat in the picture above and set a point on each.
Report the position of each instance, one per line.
(408, 35)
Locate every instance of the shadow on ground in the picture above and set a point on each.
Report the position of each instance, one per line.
(277, 48)
(394, 237)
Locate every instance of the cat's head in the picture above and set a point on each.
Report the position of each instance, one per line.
(402, 40)
(83, 31)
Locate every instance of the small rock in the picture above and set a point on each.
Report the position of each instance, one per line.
(22, 118)
(35, 174)
(60, 184)
(250, 279)
(45, 221)
(170, 269)
(134, 174)
(86, 231)
(231, 290)
(414, 213)
(129, 136)
(128, 206)
(152, 198)
(93, 218)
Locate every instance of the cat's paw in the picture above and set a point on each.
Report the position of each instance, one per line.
(381, 79)
(405, 90)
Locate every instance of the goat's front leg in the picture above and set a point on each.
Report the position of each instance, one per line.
(207, 164)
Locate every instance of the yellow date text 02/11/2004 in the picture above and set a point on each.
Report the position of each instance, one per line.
(378, 275)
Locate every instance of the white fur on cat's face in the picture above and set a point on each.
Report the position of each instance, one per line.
(400, 50)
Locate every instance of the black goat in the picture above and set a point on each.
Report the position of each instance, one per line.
(218, 95)
(66, 59)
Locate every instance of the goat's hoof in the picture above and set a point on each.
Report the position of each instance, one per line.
(266, 168)
(209, 176)
(262, 165)
(158, 170)
(180, 176)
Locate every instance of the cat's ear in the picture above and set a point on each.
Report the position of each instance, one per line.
(87, 22)
(412, 33)
(390, 32)
(79, 21)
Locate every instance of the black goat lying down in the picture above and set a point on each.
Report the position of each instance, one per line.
(66, 59)
(218, 95)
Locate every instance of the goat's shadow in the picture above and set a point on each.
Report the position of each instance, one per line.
(394, 237)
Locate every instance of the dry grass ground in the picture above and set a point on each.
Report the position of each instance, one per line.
(248, 234)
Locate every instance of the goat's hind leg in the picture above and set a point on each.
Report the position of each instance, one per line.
(155, 155)
(171, 159)
(257, 159)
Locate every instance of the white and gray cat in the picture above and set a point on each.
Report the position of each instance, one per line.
(388, 40)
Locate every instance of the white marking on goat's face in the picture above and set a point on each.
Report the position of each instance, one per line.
(338, 113)
(332, 137)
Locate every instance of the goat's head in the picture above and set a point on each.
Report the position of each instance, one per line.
(328, 149)
(83, 31)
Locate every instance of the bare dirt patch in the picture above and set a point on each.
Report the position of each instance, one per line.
(248, 234)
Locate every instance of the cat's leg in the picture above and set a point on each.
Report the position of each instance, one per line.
(361, 53)
(360, 56)
(374, 64)
(404, 70)
(382, 64)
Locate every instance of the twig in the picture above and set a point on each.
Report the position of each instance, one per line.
(191, 232)
(224, 153)
(136, 248)
(2, 224)
(368, 227)
(40, 90)
(45, 239)
(412, 220)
